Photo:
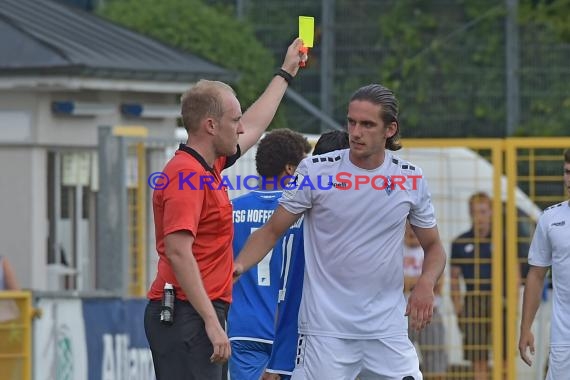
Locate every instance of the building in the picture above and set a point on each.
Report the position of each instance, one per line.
(63, 73)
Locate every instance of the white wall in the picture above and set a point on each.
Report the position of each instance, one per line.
(23, 223)
(28, 130)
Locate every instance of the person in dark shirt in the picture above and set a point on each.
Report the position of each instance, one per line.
(471, 259)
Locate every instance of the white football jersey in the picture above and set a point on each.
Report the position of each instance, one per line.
(551, 247)
(353, 284)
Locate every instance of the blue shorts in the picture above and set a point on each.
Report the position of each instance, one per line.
(248, 359)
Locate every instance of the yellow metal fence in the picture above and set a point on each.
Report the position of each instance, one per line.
(15, 335)
(137, 201)
(523, 176)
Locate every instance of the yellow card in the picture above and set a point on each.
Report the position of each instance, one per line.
(307, 30)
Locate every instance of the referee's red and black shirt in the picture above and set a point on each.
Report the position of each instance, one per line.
(188, 204)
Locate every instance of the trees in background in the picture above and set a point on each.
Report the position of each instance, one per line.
(211, 32)
(445, 59)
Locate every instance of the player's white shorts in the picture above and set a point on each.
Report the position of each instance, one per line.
(321, 357)
(558, 363)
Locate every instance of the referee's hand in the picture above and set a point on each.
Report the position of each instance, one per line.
(220, 341)
(420, 305)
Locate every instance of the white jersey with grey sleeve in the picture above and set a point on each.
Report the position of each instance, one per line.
(353, 283)
(550, 247)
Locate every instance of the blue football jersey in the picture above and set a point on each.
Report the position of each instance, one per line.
(283, 354)
(253, 311)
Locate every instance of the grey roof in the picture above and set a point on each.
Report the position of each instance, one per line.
(39, 37)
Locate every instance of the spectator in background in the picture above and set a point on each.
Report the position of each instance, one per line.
(8, 279)
(431, 339)
(282, 361)
(550, 249)
(251, 319)
(471, 259)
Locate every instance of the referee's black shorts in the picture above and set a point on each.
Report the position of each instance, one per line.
(182, 350)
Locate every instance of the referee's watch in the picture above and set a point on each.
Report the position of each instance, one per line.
(285, 75)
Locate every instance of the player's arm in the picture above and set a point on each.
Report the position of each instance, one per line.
(439, 285)
(178, 249)
(256, 119)
(531, 302)
(420, 303)
(540, 259)
(434, 255)
(262, 240)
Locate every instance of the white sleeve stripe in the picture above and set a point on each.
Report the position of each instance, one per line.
(278, 371)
